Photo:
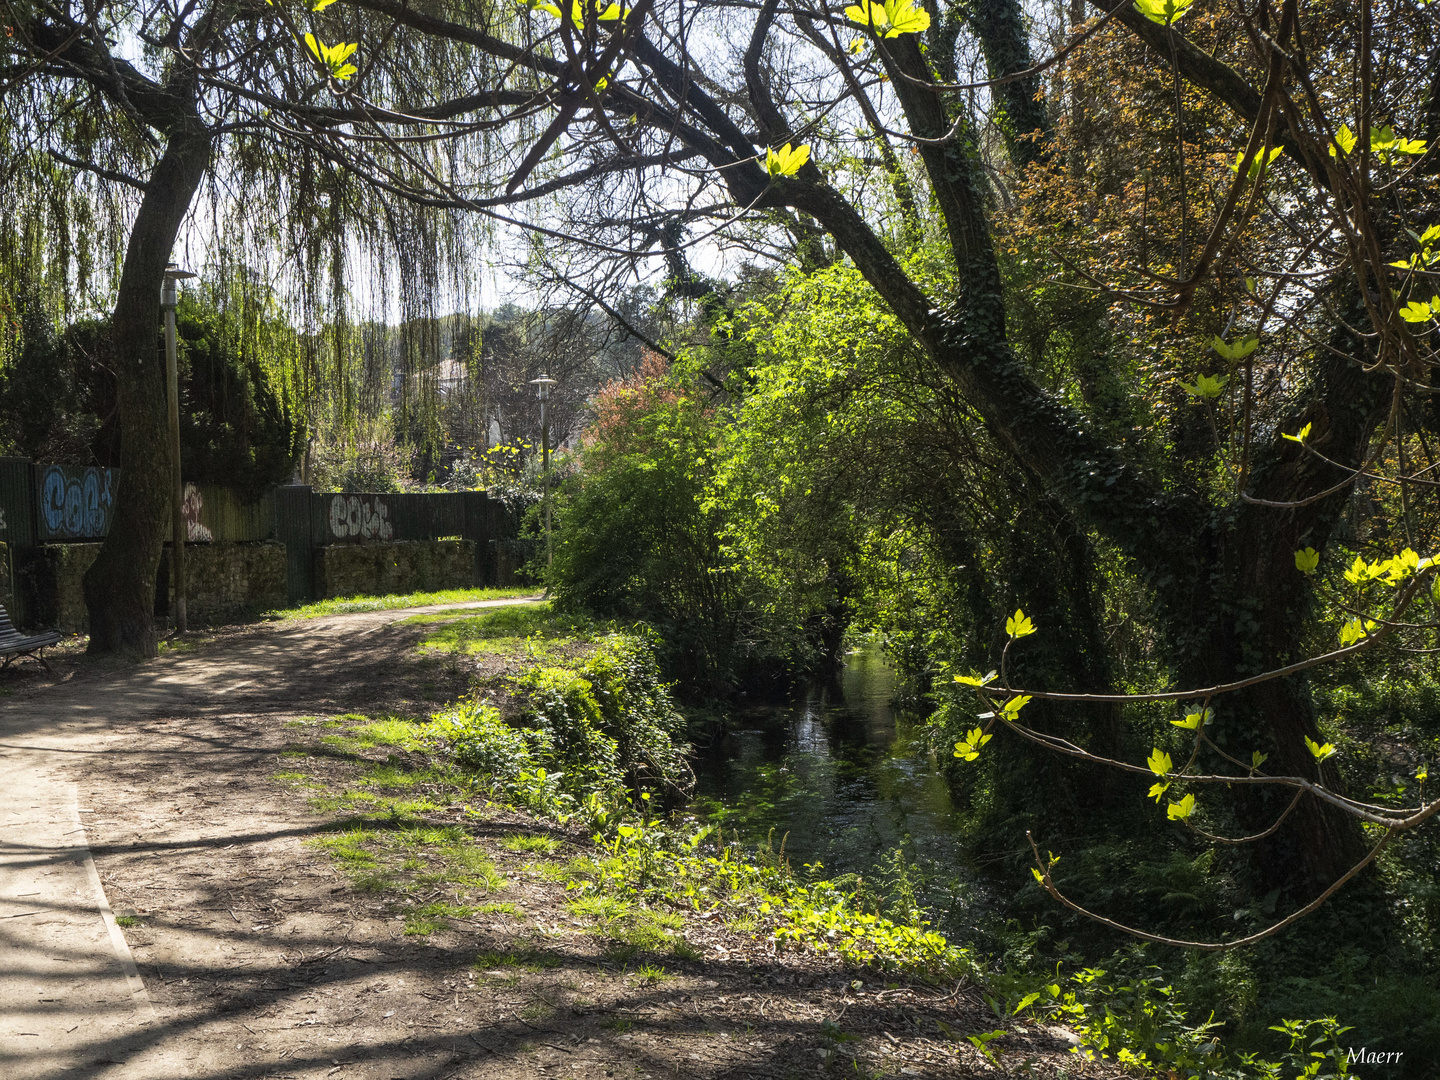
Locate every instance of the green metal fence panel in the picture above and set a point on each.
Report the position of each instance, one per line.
(17, 530)
(74, 502)
(17, 502)
(293, 508)
(357, 517)
(213, 512)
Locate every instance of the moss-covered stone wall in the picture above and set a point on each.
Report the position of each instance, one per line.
(399, 567)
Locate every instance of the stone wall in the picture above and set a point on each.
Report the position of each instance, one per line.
(50, 578)
(399, 567)
(227, 582)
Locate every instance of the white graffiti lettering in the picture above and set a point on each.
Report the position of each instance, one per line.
(190, 511)
(367, 517)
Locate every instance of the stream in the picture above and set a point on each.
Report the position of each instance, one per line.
(846, 783)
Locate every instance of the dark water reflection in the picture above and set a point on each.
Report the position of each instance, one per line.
(851, 783)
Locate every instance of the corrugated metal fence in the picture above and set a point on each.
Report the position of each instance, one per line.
(41, 504)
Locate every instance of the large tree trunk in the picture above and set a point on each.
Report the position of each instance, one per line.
(120, 586)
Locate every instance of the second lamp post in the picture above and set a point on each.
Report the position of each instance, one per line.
(542, 391)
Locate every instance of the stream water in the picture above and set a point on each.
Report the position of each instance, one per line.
(845, 783)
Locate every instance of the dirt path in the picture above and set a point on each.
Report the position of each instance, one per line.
(260, 959)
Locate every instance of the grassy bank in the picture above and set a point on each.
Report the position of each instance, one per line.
(564, 770)
(345, 605)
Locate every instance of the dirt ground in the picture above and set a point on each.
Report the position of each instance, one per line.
(262, 960)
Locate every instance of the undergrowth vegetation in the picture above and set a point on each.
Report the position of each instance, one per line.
(590, 743)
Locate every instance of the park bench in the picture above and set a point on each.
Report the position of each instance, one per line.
(14, 645)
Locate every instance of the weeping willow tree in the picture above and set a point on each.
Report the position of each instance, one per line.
(239, 123)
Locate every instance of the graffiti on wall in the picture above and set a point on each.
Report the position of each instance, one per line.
(365, 516)
(76, 503)
(190, 513)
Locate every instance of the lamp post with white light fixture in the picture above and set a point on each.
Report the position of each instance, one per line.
(542, 391)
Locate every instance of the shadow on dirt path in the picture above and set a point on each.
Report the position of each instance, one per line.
(260, 959)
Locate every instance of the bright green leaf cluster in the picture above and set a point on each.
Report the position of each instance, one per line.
(334, 57)
(1164, 12)
(1425, 254)
(1011, 709)
(578, 11)
(785, 161)
(1301, 436)
(1307, 560)
(891, 18)
(1320, 753)
(1355, 630)
(1384, 143)
(1241, 349)
(1206, 386)
(1195, 718)
(1394, 570)
(1159, 762)
(1418, 311)
(976, 680)
(1254, 170)
(968, 748)
(1179, 811)
(1019, 625)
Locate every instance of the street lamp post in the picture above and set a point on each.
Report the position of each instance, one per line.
(172, 384)
(542, 391)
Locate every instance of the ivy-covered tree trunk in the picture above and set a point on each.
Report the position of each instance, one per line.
(120, 585)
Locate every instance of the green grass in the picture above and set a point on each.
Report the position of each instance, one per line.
(540, 845)
(521, 960)
(504, 630)
(428, 918)
(127, 920)
(386, 603)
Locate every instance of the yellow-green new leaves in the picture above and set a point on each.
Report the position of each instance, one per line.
(1301, 436)
(891, 18)
(1395, 570)
(1257, 759)
(1254, 170)
(976, 680)
(1206, 386)
(1195, 718)
(579, 11)
(1383, 142)
(1418, 311)
(1179, 811)
(1019, 625)
(1320, 753)
(1157, 791)
(1386, 144)
(968, 748)
(1422, 773)
(785, 161)
(333, 57)
(1307, 560)
(1159, 762)
(320, 5)
(1241, 349)
(1425, 255)
(1011, 709)
(1355, 630)
(1164, 12)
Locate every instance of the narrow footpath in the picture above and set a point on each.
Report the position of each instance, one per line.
(173, 904)
(71, 1000)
